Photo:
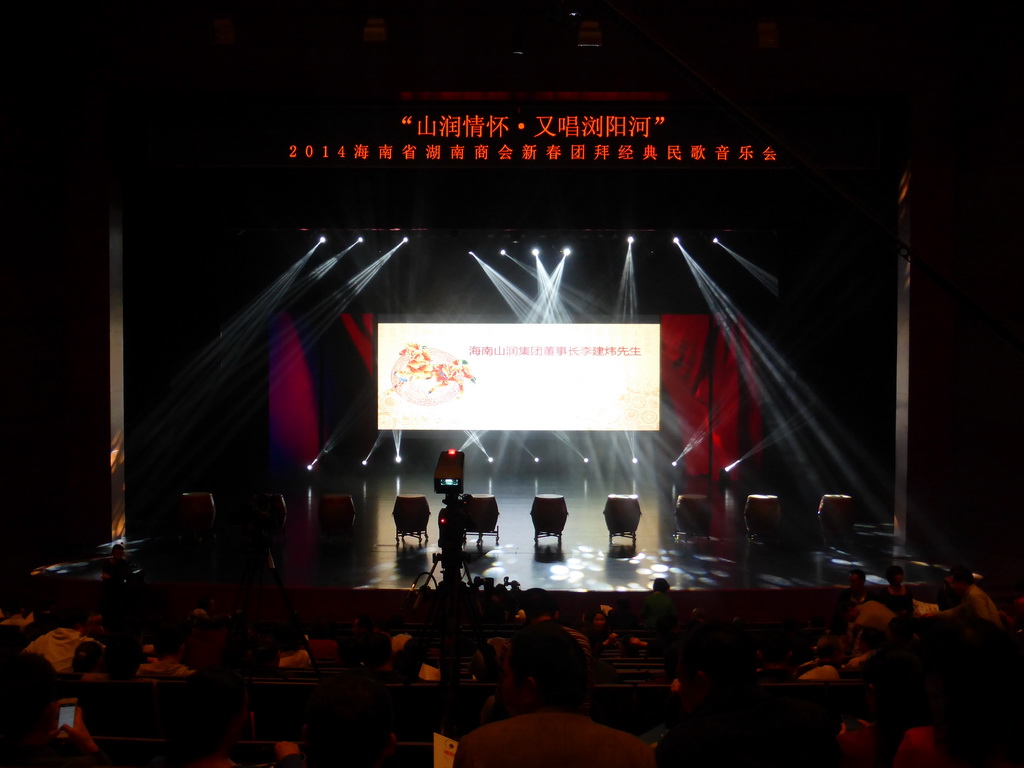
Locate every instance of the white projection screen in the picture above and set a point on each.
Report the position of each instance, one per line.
(511, 376)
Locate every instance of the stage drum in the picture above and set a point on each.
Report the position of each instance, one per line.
(763, 515)
(197, 512)
(693, 514)
(337, 514)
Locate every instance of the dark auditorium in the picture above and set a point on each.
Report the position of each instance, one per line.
(471, 382)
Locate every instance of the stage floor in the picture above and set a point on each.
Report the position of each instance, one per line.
(585, 561)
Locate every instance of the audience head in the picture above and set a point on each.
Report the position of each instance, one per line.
(872, 639)
(598, 620)
(123, 656)
(894, 575)
(978, 671)
(117, 552)
(545, 668)
(900, 631)
(829, 649)
(776, 649)
(714, 658)
(169, 641)
(896, 694)
(87, 656)
(28, 688)
(349, 721)
(538, 604)
(660, 585)
(960, 578)
(214, 707)
(858, 580)
(362, 625)
(89, 623)
(376, 652)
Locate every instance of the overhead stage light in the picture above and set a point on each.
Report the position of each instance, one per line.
(675, 463)
(405, 239)
(586, 460)
(490, 459)
(398, 459)
(629, 239)
(323, 239)
(715, 241)
(364, 462)
(566, 252)
(309, 467)
(536, 252)
(536, 459)
(636, 460)
(675, 240)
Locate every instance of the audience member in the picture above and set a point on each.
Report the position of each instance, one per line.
(976, 672)
(621, 618)
(348, 723)
(858, 592)
(291, 653)
(88, 657)
(17, 614)
(543, 685)
(168, 647)
(775, 658)
(729, 720)
(122, 657)
(896, 597)
(378, 658)
(829, 659)
(28, 718)
(58, 646)
(209, 720)
(601, 639)
(975, 604)
(896, 697)
(114, 587)
(658, 604)
(870, 641)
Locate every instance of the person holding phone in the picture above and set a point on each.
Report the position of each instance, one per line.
(36, 729)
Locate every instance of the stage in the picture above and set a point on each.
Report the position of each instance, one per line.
(726, 574)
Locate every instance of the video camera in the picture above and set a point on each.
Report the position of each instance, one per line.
(448, 474)
(449, 480)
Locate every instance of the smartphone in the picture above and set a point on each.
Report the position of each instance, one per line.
(66, 716)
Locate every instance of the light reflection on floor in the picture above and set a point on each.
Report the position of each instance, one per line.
(585, 560)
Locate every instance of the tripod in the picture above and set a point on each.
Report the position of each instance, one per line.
(260, 559)
(451, 604)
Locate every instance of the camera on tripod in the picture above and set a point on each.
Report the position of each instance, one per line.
(449, 477)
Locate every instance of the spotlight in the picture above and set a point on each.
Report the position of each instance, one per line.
(490, 459)
(731, 466)
(323, 239)
(536, 459)
(675, 463)
(586, 460)
(629, 239)
(536, 252)
(360, 239)
(309, 467)
(566, 252)
(364, 462)
(503, 252)
(715, 241)
(398, 459)
(405, 239)
(675, 240)
(636, 460)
